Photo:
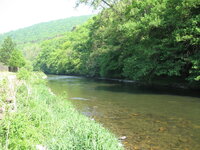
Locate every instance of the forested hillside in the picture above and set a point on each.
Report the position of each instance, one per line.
(139, 40)
(43, 31)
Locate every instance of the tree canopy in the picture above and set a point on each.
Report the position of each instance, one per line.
(6, 49)
(98, 3)
(149, 39)
(9, 55)
(43, 31)
(16, 59)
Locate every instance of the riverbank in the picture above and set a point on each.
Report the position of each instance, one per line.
(157, 119)
(45, 121)
(163, 82)
(160, 82)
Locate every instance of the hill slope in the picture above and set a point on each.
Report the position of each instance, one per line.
(44, 30)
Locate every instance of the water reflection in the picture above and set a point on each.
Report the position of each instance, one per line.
(150, 118)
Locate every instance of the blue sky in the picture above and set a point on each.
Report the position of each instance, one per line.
(15, 14)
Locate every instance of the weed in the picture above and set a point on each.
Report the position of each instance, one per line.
(45, 119)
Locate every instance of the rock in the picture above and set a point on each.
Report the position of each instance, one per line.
(157, 121)
(1, 116)
(40, 147)
(120, 144)
(44, 77)
(183, 140)
(122, 138)
(155, 148)
(136, 148)
(2, 109)
(161, 129)
(9, 100)
(197, 126)
(79, 98)
(135, 114)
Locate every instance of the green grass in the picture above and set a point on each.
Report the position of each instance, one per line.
(45, 119)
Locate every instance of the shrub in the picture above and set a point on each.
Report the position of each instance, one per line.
(23, 74)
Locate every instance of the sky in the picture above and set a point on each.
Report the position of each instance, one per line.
(15, 14)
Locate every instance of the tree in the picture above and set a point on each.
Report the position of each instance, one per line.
(133, 39)
(8, 47)
(98, 3)
(16, 59)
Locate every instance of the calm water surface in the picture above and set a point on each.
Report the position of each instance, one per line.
(150, 118)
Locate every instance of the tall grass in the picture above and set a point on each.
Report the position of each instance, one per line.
(45, 119)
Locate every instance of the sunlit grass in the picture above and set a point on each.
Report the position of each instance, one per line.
(45, 119)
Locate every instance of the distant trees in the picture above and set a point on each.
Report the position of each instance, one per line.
(150, 40)
(6, 50)
(44, 31)
(10, 56)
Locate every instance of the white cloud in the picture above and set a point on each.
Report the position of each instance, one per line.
(15, 14)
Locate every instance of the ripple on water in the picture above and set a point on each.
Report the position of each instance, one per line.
(150, 120)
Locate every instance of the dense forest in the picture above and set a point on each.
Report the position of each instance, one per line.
(138, 40)
(43, 31)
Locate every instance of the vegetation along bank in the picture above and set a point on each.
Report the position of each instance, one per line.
(139, 40)
(43, 120)
(146, 40)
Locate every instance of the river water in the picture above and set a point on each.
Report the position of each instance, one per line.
(150, 118)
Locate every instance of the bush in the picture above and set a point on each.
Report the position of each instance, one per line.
(45, 119)
(23, 74)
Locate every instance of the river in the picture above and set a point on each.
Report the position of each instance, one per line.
(150, 118)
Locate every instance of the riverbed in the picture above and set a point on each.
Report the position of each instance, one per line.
(147, 118)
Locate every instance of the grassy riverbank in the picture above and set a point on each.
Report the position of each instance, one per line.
(45, 120)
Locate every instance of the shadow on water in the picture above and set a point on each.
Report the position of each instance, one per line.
(137, 89)
(156, 118)
(127, 87)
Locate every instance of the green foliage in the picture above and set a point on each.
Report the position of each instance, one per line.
(23, 74)
(10, 56)
(142, 40)
(28, 65)
(16, 59)
(6, 50)
(45, 119)
(30, 50)
(97, 3)
(21, 131)
(45, 30)
(57, 55)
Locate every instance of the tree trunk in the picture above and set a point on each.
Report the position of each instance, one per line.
(13, 69)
